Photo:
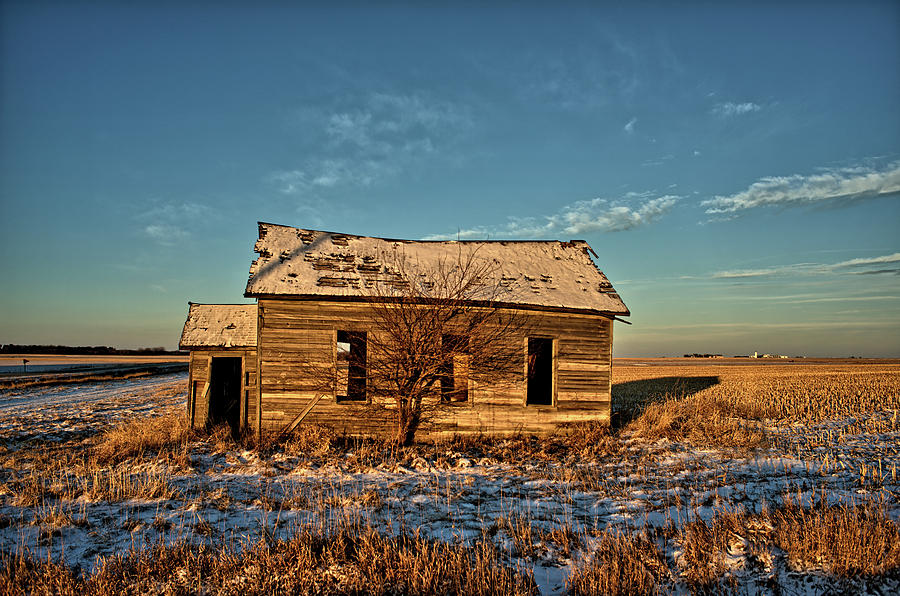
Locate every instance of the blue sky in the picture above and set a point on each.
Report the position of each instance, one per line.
(736, 167)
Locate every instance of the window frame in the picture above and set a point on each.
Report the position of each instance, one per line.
(351, 335)
(554, 371)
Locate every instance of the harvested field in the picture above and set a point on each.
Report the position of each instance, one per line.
(717, 476)
(19, 371)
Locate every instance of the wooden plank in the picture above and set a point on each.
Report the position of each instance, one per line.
(260, 323)
(573, 365)
(297, 332)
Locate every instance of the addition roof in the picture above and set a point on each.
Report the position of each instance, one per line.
(219, 326)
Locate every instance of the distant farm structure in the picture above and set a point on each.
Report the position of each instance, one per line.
(758, 355)
(312, 349)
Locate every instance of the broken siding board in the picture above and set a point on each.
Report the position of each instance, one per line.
(594, 366)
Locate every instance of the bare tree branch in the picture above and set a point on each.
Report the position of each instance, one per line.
(432, 332)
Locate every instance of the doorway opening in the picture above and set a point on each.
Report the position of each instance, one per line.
(225, 393)
(540, 372)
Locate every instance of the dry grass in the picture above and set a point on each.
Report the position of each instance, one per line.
(94, 483)
(315, 441)
(622, 564)
(708, 548)
(523, 534)
(841, 540)
(102, 469)
(718, 405)
(348, 559)
(702, 420)
(141, 435)
(844, 542)
(582, 441)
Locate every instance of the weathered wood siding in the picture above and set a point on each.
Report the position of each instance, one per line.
(199, 377)
(292, 334)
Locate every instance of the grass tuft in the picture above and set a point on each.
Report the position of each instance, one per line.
(140, 435)
(622, 564)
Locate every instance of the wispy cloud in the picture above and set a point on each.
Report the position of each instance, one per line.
(168, 223)
(850, 184)
(755, 325)
(728, 108)
(165, 234)
(582, 217)
(853, 266)
(372, 138)
(657, 162)
(893, 258)
(629, 126)
(805, 298)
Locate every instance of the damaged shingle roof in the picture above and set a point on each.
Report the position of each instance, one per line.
(219, 326)
(311, 263)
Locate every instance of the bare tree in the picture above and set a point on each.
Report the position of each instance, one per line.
(433, 331)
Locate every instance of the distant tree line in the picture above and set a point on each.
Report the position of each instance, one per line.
(93, 350)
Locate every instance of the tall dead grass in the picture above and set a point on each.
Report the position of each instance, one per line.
(623, 564)
(134, 438)
(703, 420)
(349, 559)
(101, 470)
(590, 440)
(844, 542)
(841, 540)
(721, 406)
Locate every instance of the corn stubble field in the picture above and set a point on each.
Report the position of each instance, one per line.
(715, 477)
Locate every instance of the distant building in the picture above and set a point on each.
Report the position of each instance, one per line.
(758, 355)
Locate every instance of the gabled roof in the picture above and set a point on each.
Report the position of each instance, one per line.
(219, 326)
(312, 263)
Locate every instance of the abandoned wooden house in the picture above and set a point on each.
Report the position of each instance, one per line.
(315, 295)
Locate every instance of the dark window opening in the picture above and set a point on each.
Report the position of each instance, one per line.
(540, 371)
(454, 369)
(351, 366)
(225, 393)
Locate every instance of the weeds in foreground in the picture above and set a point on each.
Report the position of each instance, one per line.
(842, 542)
(623, 564)
(349, 559)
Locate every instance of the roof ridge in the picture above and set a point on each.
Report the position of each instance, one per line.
(408, 240)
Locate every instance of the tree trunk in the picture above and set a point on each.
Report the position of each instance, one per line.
(408, 419)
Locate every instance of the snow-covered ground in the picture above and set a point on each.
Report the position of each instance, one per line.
(230, 495)
(62, 412)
